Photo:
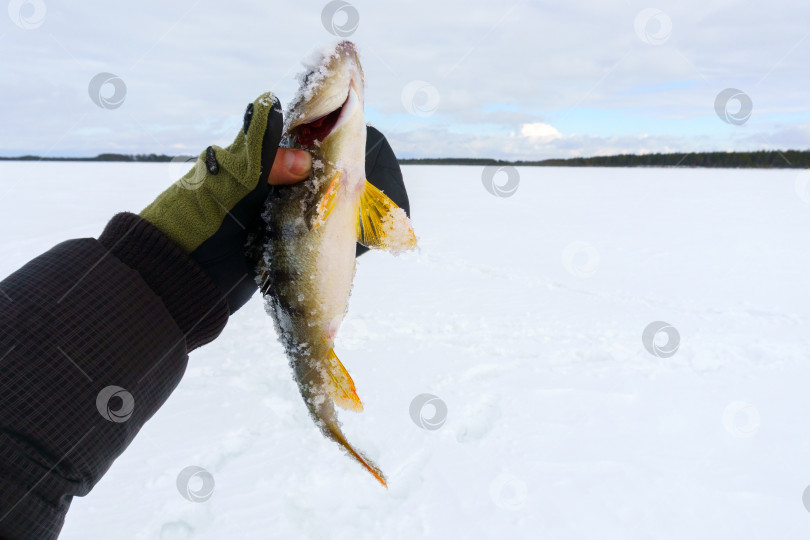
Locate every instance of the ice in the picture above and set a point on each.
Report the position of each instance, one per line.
(397, 231)
(311, 78)
(560, 424)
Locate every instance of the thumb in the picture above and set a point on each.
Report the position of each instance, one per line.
(290, 166)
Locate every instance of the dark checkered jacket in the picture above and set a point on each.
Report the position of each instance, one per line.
(94, 336)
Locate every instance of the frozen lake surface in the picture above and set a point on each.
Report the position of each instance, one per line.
(524, 316)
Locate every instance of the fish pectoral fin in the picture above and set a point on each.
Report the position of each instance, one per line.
(327, 203)
(381, 224)
(341, 389)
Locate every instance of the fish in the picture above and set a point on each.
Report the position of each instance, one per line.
(307, 265)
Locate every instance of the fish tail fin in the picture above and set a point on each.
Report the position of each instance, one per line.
(339, 390)
(337, 436)
(381, 224)
(341, 386)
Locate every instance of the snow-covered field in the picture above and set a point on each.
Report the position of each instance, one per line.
(524, 317)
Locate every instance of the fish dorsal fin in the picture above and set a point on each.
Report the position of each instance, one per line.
(382, 224)
(341, 389)
(327, 203)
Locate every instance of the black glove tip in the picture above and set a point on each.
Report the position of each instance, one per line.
(248, 118)
(211, 162)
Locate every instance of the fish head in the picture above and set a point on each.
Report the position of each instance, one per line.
(328, 109)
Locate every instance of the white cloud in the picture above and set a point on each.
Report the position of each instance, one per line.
(190, 71)
(540, 132)
(443, 143)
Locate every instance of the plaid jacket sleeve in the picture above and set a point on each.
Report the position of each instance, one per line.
(94, 336)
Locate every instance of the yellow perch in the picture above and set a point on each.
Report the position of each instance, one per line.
(308, 263)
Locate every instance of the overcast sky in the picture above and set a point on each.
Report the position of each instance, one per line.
(461, 78)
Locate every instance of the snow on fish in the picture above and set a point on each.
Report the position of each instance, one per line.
(308, 264)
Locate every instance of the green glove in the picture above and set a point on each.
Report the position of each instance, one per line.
(209, 210)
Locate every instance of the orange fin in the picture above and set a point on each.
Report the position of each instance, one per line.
(327, 203)
(370, 466)
(341, 389)
(382, 224)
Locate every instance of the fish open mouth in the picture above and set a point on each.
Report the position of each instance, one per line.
(318, 129)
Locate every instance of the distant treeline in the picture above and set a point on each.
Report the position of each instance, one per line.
(760, 160)
(763, 159)
(145, 158)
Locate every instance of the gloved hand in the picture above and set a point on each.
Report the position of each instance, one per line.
(210, 211)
